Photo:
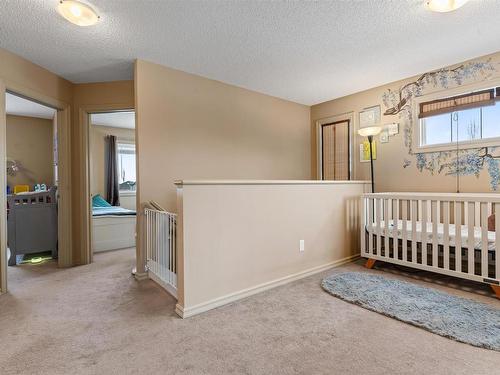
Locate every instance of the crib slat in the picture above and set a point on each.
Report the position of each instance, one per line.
(470, 238)
(370, 225)
(362, 215)
(477, 214)
(378, 224)
(404, 228)
(386, 225)
(424, 232)
(395, 223)
(414, 218)
(484, 239)
(458, 236)
(497, 241)
(446, 235)
(435, 220)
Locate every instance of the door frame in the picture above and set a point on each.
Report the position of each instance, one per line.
(64, 222)
(84, 132)
(349, 116)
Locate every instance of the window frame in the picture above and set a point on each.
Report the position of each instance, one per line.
(442, 94)
(125, 142)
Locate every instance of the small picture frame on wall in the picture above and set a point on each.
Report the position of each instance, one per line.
(392, 128)
(364, 151)
(384, 136)
(369, 116)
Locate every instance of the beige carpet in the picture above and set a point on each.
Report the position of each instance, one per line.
(97, 320)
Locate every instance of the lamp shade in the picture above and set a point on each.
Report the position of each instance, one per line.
(370, 130)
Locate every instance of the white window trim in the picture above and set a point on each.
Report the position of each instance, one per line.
(445, 93)
(126, 193)
(319, 141)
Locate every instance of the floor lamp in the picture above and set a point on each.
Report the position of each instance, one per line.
(369, 132)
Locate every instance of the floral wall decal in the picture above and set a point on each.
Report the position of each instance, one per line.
(456, 163)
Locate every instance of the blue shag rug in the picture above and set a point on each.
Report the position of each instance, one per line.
(454, 317)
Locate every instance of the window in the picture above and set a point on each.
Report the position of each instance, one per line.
(469, 119)
(126, 166)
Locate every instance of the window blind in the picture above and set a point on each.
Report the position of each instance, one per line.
(457, 103)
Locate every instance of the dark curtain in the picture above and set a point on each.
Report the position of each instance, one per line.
(112, 187)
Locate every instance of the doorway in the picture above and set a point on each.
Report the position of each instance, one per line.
(112, 181)
(35, 219)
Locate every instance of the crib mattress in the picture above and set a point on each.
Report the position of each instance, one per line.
(440, 233)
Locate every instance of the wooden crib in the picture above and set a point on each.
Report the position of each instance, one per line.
(424, 231)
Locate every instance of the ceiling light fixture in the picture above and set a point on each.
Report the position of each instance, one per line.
(443, 6)
(77, 12)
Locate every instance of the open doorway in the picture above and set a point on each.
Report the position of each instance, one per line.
(38, 157)
(112, 180)
(32, 182)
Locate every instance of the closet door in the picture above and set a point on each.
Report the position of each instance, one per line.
(335, 152)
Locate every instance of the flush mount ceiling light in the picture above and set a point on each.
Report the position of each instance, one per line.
(77, 12)
(444, 5)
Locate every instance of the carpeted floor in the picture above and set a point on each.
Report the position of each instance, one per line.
(97, 320)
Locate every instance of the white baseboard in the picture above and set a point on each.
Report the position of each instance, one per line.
(224, 300)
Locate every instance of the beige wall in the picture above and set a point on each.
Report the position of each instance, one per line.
(22, 76)
(193, 127)
(389, 172)
(97, 154)
(30, 142)
(238, 238)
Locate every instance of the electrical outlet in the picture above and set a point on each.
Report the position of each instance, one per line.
(301, 245)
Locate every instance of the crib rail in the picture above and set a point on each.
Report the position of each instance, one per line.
(444, 233)
(161, 250)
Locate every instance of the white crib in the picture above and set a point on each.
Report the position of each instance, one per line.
(424, 231)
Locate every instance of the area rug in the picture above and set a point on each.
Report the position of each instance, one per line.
(454, 317)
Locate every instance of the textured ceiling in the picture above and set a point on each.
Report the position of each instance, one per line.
(114, 119)
(307, 52)
(15, 105)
